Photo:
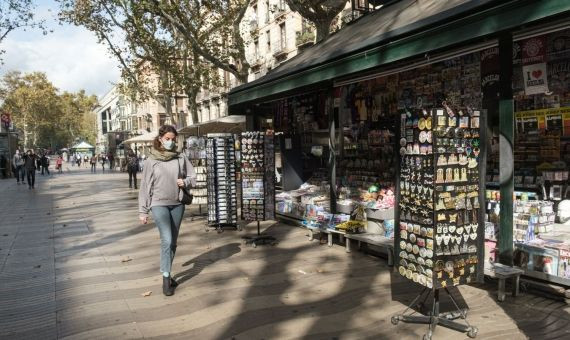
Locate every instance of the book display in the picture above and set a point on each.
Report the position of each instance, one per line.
(221, 180)
(441, 228)
(258, 181)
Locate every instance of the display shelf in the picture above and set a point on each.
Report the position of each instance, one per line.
(440, 220)
(221, 181)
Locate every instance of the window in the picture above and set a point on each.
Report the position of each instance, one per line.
(268, 34)
(282, 5)
(267, 11)
(256, 49)
(283, 36)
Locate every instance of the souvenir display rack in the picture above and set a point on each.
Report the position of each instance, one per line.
(221, 181)
(440, 238)
(258, 181)
(196, 153)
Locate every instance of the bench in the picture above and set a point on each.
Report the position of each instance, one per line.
(502, 273)
(377, 240)
(329, 232)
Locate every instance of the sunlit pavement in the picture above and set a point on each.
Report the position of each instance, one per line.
(75, 263)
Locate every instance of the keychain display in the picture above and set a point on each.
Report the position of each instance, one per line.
(221, 180)
(439, 240)
(258, 173)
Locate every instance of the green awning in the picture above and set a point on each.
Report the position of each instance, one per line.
(462, 22)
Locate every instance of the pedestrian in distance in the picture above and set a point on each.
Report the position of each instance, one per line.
(79, 159)
(18, 162)
(59, 164)
(93, 162)
(132, 168)
(44, 160)
(166, 174)
(103, 161)
(73, 160)
(30, 162)
(111, 160)
(86, 160)
(39, 162)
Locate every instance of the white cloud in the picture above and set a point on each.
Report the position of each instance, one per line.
(71, 58)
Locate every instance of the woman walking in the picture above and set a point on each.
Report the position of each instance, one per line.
(59, 164)
(165, 173)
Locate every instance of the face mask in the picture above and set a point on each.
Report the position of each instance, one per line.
(168, 144)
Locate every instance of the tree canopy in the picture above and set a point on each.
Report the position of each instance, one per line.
(46, 118)
(167, 47)
(17, 14)
(320, 13)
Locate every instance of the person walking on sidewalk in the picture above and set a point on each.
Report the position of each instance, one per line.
(59, 164)
(30, 161)
(93, 162)
(103, 160)
(45, 164)
(111, 159)
(132, 168)
(18, 162)
(86, 159)
(165, 173)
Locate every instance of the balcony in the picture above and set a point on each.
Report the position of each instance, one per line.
(279, 51)
(305, 39)
(256, 62)
(279, 13)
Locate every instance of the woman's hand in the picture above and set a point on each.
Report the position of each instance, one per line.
(180, 183)
(143, 219)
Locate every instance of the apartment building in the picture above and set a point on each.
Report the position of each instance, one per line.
(119, 118)
(273, 34)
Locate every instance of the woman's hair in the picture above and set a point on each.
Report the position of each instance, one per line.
(161, 132)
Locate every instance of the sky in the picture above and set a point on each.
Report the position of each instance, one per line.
(70, 56)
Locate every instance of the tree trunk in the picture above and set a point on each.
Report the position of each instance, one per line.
(323, 28)
(193, 106)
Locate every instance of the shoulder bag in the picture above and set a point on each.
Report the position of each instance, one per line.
(184, 196)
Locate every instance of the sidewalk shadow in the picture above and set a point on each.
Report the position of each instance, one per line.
(208, 258)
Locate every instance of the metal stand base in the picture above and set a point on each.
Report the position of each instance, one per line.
(259, 239)
(434, 318)
(220, 227)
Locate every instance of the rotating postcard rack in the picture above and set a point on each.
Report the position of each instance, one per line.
(221, 181)
(258, 181)
(196, 153)
(440, 238)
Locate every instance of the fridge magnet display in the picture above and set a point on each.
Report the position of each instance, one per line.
(439, 216)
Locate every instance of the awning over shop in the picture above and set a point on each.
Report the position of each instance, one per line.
(401, 30)
(142, 139)
(229, 124)
(83, 146)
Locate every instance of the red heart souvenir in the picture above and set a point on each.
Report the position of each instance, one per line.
(537, 73)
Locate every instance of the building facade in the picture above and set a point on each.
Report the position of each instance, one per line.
(273, 34)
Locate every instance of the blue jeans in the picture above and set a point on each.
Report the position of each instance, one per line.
(168, 220)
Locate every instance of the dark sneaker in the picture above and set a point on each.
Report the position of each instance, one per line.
(167, 288)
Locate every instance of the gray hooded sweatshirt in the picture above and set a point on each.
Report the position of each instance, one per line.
(158, 185)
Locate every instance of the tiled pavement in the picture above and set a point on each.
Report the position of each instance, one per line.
(74, 263)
